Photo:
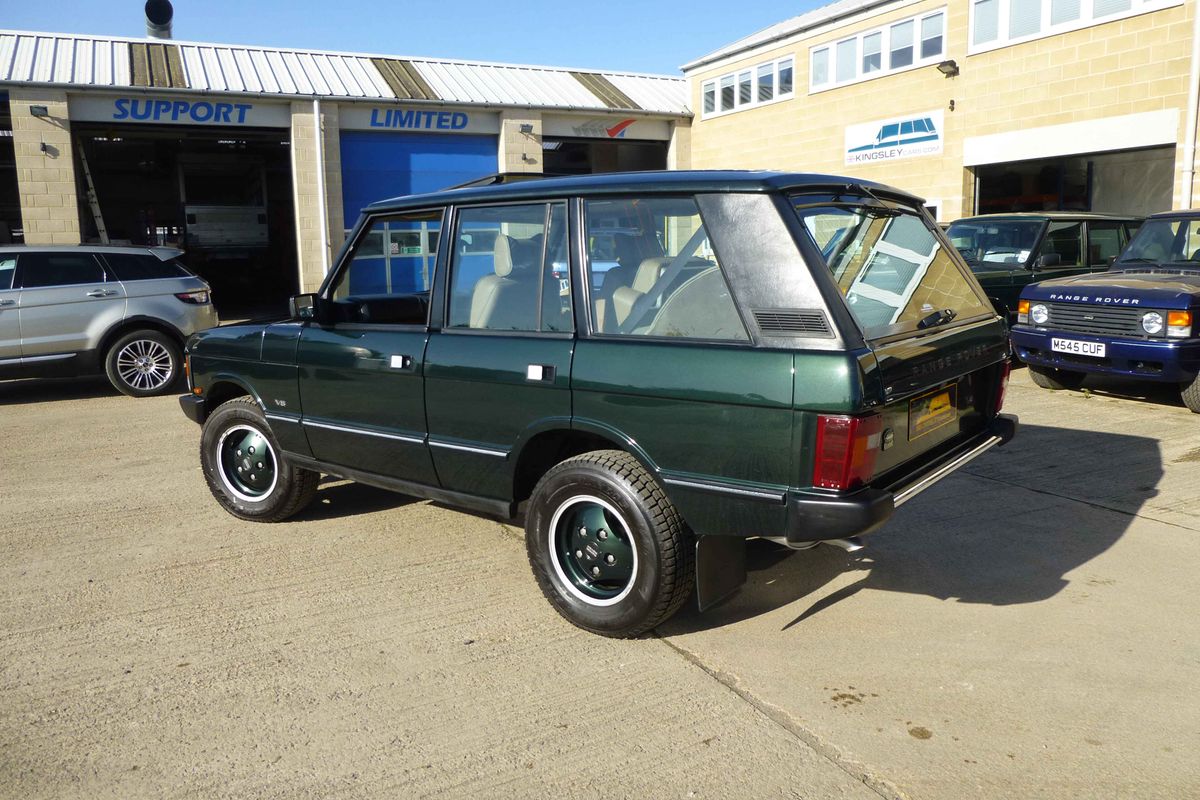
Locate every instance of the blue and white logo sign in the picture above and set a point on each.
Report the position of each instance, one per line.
(920, 134)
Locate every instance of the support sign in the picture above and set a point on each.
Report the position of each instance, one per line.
(152, 110)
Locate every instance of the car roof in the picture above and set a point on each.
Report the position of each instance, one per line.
(657, 182)
(1052, 216)
(162, 253)
(1184, 213)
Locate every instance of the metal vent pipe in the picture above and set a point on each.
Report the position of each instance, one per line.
(158, 18)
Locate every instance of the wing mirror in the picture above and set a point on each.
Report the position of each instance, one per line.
(1047, 260)
(303, 306)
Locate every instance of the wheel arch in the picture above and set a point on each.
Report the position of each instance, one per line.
(137, 323)
(554, 441)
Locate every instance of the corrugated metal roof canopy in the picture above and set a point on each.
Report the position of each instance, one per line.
(90, 61)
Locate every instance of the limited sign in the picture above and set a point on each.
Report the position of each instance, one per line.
(920, 134)
(168, 110)
(360, 117)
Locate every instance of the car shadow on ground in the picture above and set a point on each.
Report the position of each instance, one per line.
(1162, 394)
(1005, 536)
(50, 390)
(337, 499)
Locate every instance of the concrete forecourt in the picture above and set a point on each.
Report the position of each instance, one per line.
(1026, 630)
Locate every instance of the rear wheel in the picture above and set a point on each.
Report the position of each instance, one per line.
(609, 551)
(243, 467)
(1191, 395)
(143, 363)
(1051, 378)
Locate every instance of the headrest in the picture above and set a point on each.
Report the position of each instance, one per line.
(502, 251)
(648, 272)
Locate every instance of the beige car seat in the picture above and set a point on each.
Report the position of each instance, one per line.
(507, 300)
(624, 297)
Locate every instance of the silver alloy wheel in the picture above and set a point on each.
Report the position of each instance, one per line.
(145, 365)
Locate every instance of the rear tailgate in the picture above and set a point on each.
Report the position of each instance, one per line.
(940, 389)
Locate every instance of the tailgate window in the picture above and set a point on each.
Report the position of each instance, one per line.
(893, 270)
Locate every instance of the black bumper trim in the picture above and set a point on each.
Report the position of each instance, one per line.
(194, 408)
(813, 518)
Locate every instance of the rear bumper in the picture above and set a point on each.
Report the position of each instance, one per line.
(194, 408)
(1171, 361)
(814, 518)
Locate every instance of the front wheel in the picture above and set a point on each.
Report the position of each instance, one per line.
(143, 363)
(608, 549)
(243, 467)
(1051, 378)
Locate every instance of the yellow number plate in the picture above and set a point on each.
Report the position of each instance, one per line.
(931, 411)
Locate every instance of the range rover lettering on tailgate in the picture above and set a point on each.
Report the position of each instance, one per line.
(652, 367)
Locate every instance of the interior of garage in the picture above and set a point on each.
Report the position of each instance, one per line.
(10, 200)
(569, 156)
(1136, 182)
(222, 195)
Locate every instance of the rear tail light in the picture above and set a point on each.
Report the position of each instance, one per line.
(1023, 312)
(1179, 324)
(198, 297)
(1002, 386)
(846, 451)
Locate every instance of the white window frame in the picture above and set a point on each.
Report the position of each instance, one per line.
(885, 32)
(1045, 30)
(776, 65)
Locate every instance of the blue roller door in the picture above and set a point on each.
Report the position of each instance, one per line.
(376, 166)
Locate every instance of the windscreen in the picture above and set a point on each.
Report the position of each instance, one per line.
(894, 272)
(988, 245)
(1170, 242)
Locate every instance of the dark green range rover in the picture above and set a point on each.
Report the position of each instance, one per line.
(653, 366)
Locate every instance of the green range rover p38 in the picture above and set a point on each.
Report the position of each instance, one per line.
(652, 366)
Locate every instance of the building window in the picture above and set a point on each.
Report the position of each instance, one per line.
(997, 23)
(862, 56)
(764, 83)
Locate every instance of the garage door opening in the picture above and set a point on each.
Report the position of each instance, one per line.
(566, 156)
(223, 196)
(10, 197)
(1136, 182)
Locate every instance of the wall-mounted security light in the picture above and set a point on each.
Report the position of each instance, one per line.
(526, 128)
(39, 111)
(948, 68)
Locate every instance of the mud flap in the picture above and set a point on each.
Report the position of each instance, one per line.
(720, 568)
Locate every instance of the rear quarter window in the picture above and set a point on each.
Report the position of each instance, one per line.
(139, 267)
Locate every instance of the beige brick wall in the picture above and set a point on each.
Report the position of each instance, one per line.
(679, 149)
(1133, 65)
(45, 175)
(520, 152)
(306, 191)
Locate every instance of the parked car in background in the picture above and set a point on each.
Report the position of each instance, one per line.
(1009, 251)
(1138, 319)
(733, 383)
(76, 310)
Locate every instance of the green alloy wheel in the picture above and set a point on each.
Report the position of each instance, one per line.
(244, 468)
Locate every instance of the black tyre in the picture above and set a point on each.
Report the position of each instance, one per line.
(243, 467)
(607, 548)
(1191, 394)
(1051, 378)
(143, 363)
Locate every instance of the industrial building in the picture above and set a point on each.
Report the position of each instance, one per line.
(978, 105)
(213, 147)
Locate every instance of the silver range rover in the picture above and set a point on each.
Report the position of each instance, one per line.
(77, 310)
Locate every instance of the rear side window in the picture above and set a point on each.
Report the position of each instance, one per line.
(8, 268)
(891, 267)
(654, 273)
(59, 269)
(142, 267)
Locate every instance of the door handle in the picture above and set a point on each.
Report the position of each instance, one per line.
(7, 302)
(101, 293)
(401, 362)
(540, 373)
